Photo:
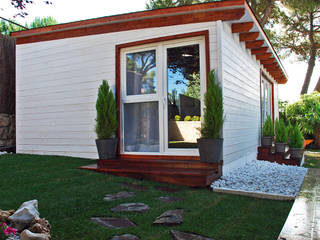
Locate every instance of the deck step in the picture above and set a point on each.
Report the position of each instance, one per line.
(182, 172)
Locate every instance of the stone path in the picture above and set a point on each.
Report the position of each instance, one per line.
(170, 217)
(303, 222)
(111, 222)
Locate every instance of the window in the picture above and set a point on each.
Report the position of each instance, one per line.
(266, 99)
(161, 83)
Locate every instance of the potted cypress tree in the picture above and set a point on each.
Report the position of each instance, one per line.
(267, 132)
(210, 144)
(281, 136)
(295, 142)
(106, 122)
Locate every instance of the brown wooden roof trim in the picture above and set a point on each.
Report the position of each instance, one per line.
(148, 14)
(159, 21)
(254, 44)
(250, 36)
(242, 27)
(267, 42)
(259, 50)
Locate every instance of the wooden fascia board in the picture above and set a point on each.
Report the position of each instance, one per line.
(159, 21)
(267, 61)
(250, 36)
(147, 14)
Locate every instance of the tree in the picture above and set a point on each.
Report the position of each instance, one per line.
(317, 87)
(156, 4)
(300, 35)
(21, 5)
(306, 113)
(6, 27)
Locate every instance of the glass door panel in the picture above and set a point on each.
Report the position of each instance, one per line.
(141, 127)
(184, 97)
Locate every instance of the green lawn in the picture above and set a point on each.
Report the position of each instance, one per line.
(312, 159)
(69, 197)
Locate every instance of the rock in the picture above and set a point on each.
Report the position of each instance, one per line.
(119, 195)
(125, 237)
(176, 235)
(25, 214)
(27, 235)
(170, 199)
(111, 222)
(131, 207)
(4, 215)
(171, 217)
(40, 225)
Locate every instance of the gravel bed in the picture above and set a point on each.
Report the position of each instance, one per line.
(263, 177)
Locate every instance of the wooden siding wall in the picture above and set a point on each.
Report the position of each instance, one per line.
(57, 83)
(241, 89)
(7, 75)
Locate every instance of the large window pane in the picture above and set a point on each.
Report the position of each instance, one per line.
(184, 98)
(141, 127)
(141, 72)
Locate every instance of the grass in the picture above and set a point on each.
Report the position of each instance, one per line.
(69, 197)
(312, 158)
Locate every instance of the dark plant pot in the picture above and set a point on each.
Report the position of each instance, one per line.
(266, 141)
(107, 148)
(281, 147)
(210, 150)
(296, 153)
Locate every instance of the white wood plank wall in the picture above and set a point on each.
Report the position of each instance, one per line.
(57, 83)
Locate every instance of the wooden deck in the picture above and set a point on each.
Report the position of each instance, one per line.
(190, 173)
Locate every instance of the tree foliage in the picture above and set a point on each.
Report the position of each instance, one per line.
(22, 5)
(305, 112)
(300, 34)
(107, 122)
(213, 111)
(7, 27)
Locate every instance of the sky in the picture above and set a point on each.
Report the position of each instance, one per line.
(73, 10)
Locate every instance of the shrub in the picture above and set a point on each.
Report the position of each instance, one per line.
(107, 123)
(177, 117)
(281, 131)
(187, 118)
(213, 110)
(295, 136)
(195, 118)
(268, 128)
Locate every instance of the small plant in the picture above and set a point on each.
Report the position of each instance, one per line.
(187, 118)
(268, 128)
(213, 112)
(195, 118)
(177, 117)
(6, 231)
(107, 123)
(295, 136)
(281, 131)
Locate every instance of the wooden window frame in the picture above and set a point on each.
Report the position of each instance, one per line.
(118, 49)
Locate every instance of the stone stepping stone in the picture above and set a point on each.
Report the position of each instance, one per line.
(135, 186)
(167, 189)
(111, 222)
(119, 195)
(176, 235)
(125, 237)
(131, 207)
(171, 217)
(170, 199)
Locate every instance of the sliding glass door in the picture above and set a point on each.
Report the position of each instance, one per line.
(161, 95)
